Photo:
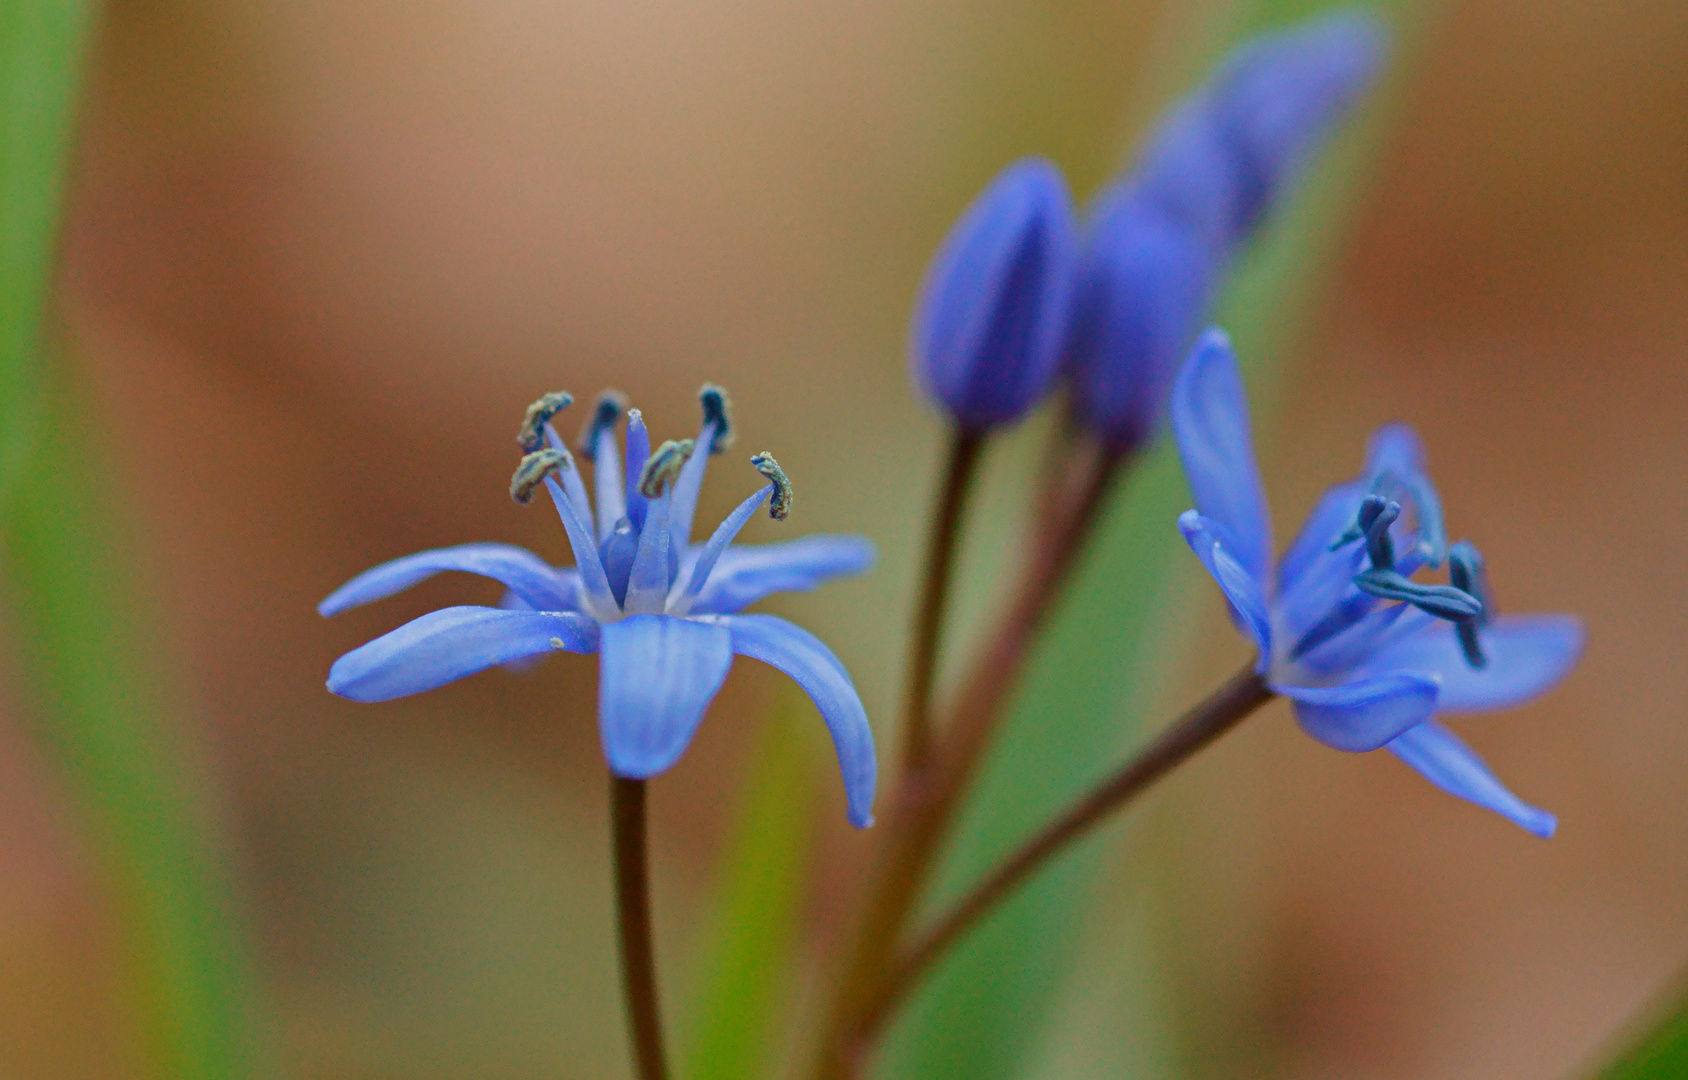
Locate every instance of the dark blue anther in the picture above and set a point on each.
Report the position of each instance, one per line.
(606, 413)
(717, 410)
(1467, 571)
(1442, 601)
(1376, 516)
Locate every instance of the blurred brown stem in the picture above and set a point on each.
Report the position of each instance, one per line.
(1223, 710)
(964, 453)
(633, 901)
(925, 800)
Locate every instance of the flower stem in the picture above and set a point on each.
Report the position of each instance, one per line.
(925, 801)
(1222, 710)
(633, 901)
(964, 453)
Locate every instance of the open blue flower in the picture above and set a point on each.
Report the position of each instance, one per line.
(1362, 673)
(661, 612)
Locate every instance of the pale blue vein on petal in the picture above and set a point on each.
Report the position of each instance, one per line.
(1210, 423)
(725, 533)
(748, 573)
(446, 645)
(1444, 760)
(521, 571)
(1527, 656)
(657, 675)
(1363, 714)
(813, 666)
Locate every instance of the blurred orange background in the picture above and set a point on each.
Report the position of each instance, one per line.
(320, 255)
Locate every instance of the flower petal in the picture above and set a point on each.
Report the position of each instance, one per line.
(701, 566)
(595, 586)
(687, 486)
(540, 585)
(1366, 713)
(1395, 448)
(1208, 539)
(444, 646)
(656, 677)
(746, 573)
(649, 581)
(1440, 756)
(807, 660)
(1310, 552)
(1210, 422)
(607, 482)
(1527, 655)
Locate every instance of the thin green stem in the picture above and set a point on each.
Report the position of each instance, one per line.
(633, 903)
(964, 454)
(1223, 710)
(925, 802)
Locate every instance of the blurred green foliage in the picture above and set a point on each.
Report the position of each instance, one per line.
(97, 697)
(1662, 1052)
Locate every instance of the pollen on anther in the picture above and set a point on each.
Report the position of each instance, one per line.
(534, 468)
(558, 643)
(717, 410)
(532, 435)
(779, 506)
(607, 409)
(663, 466)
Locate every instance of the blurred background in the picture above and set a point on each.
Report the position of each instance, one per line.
(319, 256)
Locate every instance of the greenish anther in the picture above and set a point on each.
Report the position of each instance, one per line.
(539, 414)
(664, 465)
(534, 468)
(779, 506)
(717, 410)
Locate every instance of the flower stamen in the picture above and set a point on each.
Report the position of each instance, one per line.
(539, 414)
(663, 467)
(779, 507)
(717, 410)
(534, 468)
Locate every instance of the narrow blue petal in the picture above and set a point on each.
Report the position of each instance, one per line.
(444, 646)
(572, 481)
(1343, 648)
(991, 320)
(1311, 547)
(1210, 422)
(594, 584)
(704, 564)
(687, 486)
(656, 677)
(607, 482)
(1366, 713)
(1207, 538)
(1445, 761)
(1395, 448)
(649, 581)
(813, 666)
(1527, 655)
(1146, 283)
(540, 585)
(746, 574)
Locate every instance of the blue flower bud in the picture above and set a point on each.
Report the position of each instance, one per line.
(992, 318)
(1158, 243)
(1145, 280)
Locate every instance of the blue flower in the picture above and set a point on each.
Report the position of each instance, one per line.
(661, 612)
(992, 317)
(1159, 241)
(1362, 673)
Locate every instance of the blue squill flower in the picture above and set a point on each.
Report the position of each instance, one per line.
(1362, 673)
(661, 612)
(992, 317)
(1159, 241)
